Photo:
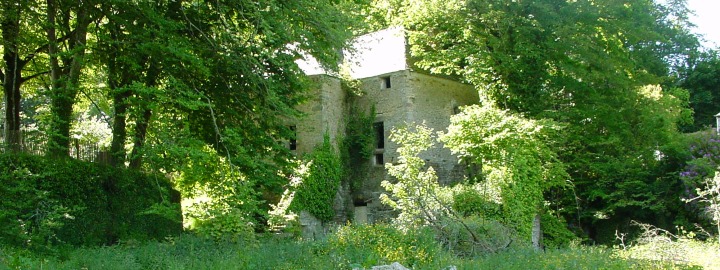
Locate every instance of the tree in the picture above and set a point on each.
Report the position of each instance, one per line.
(702, 80)
(420, 201)
(416, 195)
(73, 19)
(516, 160)
(18, 52)
(585, 65)
(189, 76)
(179, 80)
(142, 44)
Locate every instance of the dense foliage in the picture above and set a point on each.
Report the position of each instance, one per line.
(518, 166)
(358, 144)
(582, 104)
(701, 79)
(421, 203)
(196, 90)
(605, 72)
(49, 203)
(316, 191)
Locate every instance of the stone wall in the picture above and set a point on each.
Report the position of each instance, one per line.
(400, 98)
(323, 112)
(434, 100)
(412, 98)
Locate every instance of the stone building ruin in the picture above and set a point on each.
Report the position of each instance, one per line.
(401, 95)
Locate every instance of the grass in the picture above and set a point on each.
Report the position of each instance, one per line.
(350, 248)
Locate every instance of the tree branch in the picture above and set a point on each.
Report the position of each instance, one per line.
(44, 48)
(24, 79)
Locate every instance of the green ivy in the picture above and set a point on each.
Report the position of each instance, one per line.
(317, 190)
(517, 162)
(358, 144)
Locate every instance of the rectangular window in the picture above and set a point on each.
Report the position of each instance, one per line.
(293, 139)
(379, 159)
(385, 82)
(379, 135)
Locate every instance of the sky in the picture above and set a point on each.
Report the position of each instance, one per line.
(707, 20)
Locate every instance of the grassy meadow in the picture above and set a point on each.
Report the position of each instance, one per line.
(358, 248)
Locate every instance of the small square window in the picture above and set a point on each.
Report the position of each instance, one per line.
(385, 82)
(379, 160)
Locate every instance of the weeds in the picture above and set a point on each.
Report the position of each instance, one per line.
(357, 248)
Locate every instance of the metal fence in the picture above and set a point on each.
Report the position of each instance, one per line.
(36, 143)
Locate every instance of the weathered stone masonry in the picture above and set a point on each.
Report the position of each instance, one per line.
(402, 95)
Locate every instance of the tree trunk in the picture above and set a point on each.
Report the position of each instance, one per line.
(119, 134)
(139, 139)
(66, 79)
(143, 121)
(12, 76)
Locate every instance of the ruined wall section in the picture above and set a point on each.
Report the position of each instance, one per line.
(434, 100)
(411, 98)
(391, 108)
(323, 112)
(400, 98)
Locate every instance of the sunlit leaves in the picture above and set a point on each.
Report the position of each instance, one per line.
(517, 162)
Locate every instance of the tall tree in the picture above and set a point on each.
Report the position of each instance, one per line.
(584, 64)
(702, 80)
(71, 18)
(17, 41)
(135, 41)
(12, 75)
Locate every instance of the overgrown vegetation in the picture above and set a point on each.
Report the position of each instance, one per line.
(578, 133)
(358, 143)
(52, 203)
(517, 163)
(316, 191)
(197, 91)
(351, 247)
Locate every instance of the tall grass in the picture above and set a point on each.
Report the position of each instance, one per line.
(349, 248)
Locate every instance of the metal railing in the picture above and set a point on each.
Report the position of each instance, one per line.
(36, 143)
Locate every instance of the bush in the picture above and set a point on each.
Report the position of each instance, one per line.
(488, 236)
(555, 232)
(316, 193)
(660, 247)
(49, 202)
(369, 245)
(469, 201)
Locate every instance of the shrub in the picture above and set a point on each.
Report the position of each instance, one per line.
(317, 190)
(660, 248)
(490, 236)
(51, 202)
(224, 224)
(469, 201)
(555, 232)
(378, 244)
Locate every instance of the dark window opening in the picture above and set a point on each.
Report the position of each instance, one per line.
(379, 135)
(386, 82)
(359, 203)
(379, 159)
(293, 138)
